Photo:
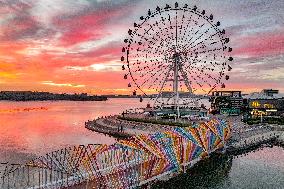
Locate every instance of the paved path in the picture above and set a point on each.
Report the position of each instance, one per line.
(112, 125)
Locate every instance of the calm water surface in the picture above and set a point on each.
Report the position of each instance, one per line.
(262, 169)
(29, 129)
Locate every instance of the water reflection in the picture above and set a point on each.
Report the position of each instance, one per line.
(207, 174)
(29, 129)
(262, 168)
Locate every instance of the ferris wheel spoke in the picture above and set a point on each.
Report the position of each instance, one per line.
(200, 70)
(207, 64)
(204, 40)
(203, 79)
(195, 73)
(208, 51)
(205, 74)
(185, 31)
(179, 36)
(155, 72)
(191, 33)
(199, 43)
(185, 28)
(176, 31)
(152, 75)
(197, 31)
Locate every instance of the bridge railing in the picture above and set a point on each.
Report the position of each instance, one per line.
(28, 176)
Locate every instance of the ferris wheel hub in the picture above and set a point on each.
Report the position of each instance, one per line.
(176, 50)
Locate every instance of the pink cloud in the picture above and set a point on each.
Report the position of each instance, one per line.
(87, 26)
(99, 21)
(257, 45)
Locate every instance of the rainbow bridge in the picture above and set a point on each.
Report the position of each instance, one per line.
(129, 163)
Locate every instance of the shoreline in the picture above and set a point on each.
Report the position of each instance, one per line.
(44, 96)
(1, 100)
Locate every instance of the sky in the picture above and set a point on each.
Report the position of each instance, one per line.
(69, 46)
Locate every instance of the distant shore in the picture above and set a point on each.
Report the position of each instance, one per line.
(46, 96)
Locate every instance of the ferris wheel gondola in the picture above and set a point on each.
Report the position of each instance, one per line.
(176, 50)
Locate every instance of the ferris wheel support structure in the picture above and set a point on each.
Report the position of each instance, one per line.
(176, 49)
(176, 82)
(176, 68)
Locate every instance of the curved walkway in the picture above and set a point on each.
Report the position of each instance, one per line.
(116, 127)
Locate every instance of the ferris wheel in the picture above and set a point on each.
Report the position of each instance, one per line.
(176, 50)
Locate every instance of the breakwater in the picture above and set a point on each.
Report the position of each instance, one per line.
(129, 163)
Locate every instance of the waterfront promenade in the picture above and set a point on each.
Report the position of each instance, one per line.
(243, 135)
(116, 127)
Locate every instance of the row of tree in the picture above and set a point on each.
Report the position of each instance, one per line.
(41, 96)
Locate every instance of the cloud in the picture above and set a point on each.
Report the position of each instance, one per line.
(90, 23)
(62, 84)
(111, 67)
(76, 45)
(260, 44)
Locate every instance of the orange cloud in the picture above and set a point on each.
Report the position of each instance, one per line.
(79, 50)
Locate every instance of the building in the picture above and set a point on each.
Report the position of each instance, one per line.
(226, 102)
(267, 103)
(270, 92)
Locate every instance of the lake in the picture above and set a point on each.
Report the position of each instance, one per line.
(33, 128)
(30, 129)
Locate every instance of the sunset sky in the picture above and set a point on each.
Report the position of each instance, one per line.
(75, 45)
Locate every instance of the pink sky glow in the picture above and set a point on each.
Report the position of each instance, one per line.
(75, 46)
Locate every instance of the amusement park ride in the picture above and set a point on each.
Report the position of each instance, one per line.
(175, 50)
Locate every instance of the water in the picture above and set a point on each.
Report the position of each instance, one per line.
(262, 169)
(30, 129)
